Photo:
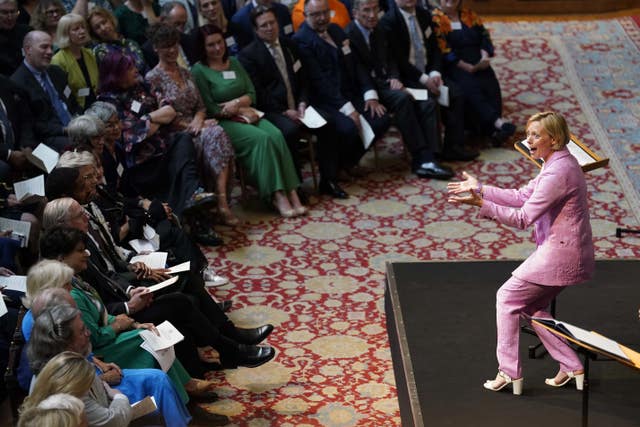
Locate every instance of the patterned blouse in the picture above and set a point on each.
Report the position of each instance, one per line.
(125, 46)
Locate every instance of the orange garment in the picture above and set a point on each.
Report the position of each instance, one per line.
(339, 14)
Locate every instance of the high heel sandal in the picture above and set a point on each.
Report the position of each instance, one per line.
(568, 377)
(285, 212)
(503, 380)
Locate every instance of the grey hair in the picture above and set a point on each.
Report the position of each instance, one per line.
(46, 274)
(52, 334)
(56, 211)
(166, 8)
(101, 110)
(50, 298)
(81, 128)
(76, 159)
(64, 26)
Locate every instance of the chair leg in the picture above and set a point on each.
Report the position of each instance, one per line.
(312, 160)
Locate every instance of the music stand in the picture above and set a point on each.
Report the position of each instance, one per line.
(590, 344)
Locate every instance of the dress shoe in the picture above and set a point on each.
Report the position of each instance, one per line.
(212, 280)
(502, 380)
(433, 170)
(199, 199)
(566, 377)
(202, 416)
(252, 356)
(207, 238)
(251, 336)
(459, 154)
(332, 189)
(225, 305)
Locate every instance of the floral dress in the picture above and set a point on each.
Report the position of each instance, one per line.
(213, 147)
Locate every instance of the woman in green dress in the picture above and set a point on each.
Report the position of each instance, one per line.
(228, 94)
(115, 338)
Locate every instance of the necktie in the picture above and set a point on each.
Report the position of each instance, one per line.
(282, 67)
(5, 124)
(58, 105)
(416, 40)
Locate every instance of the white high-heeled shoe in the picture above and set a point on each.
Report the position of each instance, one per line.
(569, 376)
(502, 380)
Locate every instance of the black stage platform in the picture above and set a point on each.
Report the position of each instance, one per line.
(441, 323)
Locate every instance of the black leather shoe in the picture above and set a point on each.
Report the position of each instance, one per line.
(501, 136)
(252, 356)
(459, 154)
(433, 170)
(252, 336)
(202, 416)
(207, 238)
(225, 305)
(332, 189)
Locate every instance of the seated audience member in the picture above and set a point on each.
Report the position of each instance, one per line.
(158, 163)
(16, 133)
(283, 94)
(172, 83)
(50, 104)
(191, 18)
(212, 13)
(173, 14)
(466, 48)
(127, 216)
(228, 95)
(69, 372)
(76, 60)
(11, 36)
(134, 383)
(46, 16)
(415, 50)
(340, 13)
(103, 28)
(242, 18)
(336, 88)
(57, 410)
(135, 16)
(416, 120)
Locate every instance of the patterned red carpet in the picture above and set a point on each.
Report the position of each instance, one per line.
(320, 279)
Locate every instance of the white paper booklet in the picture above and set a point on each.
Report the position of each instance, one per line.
(366, 134)
(44, 157)
(312, 119)
(28, 188)
(165, 358)
(418, 94)
(164, 284)
(19, 230)
(443, 99)
(169, 336)
(14, 283)
(179, 268)
(152, 260)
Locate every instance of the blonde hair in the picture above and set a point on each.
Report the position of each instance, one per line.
(46, 274)
(67, 372)
(58, 410)
(64, 27)
(555, 125)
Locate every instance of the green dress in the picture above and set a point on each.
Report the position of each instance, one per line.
(124, 348)
(260, 147)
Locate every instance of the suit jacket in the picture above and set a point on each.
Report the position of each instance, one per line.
(334, 75)
(271, 92)
(46, 122)
(375, 57)
(15, 101)
(556, 203)
(242, 18)
(396, 31)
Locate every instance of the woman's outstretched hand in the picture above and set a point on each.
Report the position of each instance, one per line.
(468, 186)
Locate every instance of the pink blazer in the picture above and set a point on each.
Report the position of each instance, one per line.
(556, 203)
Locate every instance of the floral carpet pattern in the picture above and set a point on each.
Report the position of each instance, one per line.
(320, 279)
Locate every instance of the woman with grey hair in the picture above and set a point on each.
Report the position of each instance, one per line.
(57, 410)
(44, 275)
(111, 158)
(86, 131)
(75, 59)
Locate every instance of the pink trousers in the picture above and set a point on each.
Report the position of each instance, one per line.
(517, 297)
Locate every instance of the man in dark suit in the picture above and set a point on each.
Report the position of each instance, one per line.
(242, 18)
(417, 120)
(414, 47)
(335, 78)
(48, 93)
(16, 133)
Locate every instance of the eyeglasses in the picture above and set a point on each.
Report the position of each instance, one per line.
(319, 13)
(12, 13)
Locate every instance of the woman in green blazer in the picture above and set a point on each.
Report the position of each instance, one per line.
(76, 60)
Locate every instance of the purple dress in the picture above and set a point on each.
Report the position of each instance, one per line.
(213, 146)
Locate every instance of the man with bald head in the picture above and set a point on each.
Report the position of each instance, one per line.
(49, 95)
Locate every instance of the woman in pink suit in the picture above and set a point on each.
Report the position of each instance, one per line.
(556, 203)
